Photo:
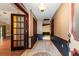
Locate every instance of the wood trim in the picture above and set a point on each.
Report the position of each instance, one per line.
(20, 7)
(12, 34)
(45, 24)
(46, 19)
(46, 33)
(34, 37)
(33, 41)
(61, 39)
(52, 27)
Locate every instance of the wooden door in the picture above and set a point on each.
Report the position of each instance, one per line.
(19, 31)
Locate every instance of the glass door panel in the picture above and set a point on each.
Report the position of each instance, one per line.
(15, 20)
(22, 19)
(22, 25)
(18, 32)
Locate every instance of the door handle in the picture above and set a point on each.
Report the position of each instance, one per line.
(69, 36)
(26, 30)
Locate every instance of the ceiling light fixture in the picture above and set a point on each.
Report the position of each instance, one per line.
(42, 7)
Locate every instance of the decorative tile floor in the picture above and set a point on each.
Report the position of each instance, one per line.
(42, 48)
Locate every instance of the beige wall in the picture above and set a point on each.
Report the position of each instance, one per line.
(61, 27)
(39, 26)
(30, 23)
(31, 16)
(46, 28)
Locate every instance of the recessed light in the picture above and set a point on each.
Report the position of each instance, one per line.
(4, 12)
(42, 10)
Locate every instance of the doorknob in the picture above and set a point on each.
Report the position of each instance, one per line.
(26, 30)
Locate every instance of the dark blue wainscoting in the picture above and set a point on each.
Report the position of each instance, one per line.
(61, 45)
(39, 36)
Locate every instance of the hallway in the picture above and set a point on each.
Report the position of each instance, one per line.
(43, 48)
(38, 32)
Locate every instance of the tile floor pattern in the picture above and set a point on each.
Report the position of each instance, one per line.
(42, 48)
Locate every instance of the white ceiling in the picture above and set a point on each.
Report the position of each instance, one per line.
(47, 14)
(8, 8)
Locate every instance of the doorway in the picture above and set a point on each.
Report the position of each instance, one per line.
(7, 41)
(46, 29)
(18, 32)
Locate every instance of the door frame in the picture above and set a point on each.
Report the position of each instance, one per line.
(52, 28)
(21, 7)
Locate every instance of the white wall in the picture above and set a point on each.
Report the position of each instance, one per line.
(46, 28)
(39, 26)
